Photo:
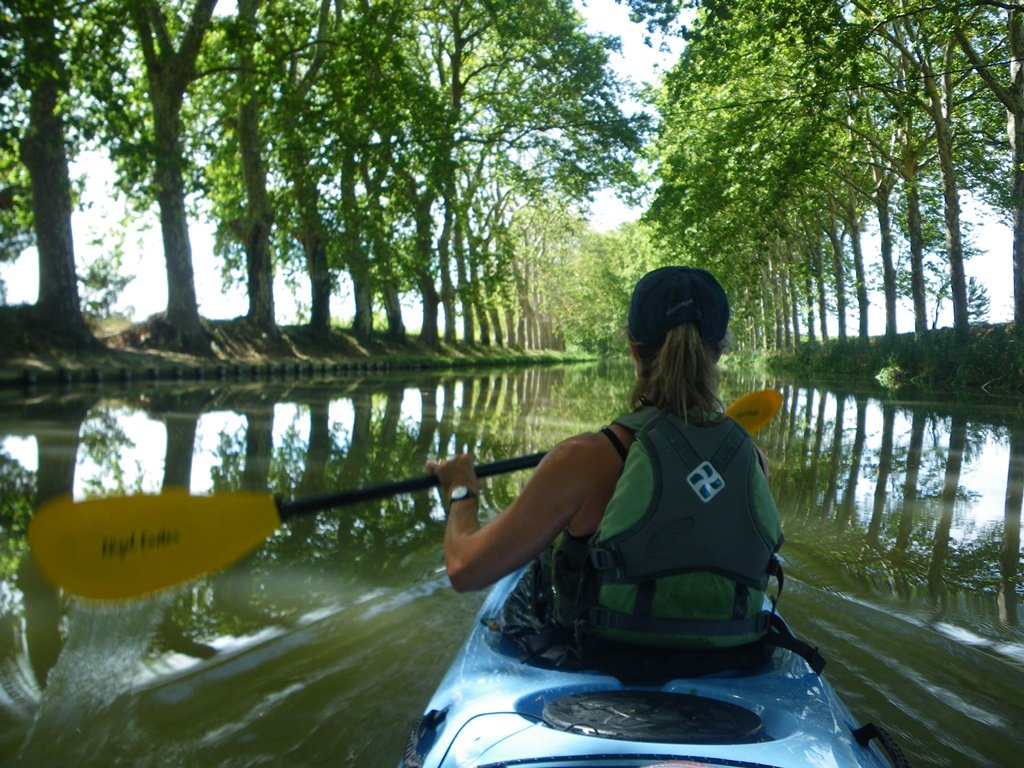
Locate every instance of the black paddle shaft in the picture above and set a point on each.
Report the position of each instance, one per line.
(302, 506)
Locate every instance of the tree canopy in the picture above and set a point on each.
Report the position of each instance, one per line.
(441, 153)
(789, 130)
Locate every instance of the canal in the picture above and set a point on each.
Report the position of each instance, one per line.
(902, 559)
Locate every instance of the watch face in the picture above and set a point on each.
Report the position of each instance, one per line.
(460, 492)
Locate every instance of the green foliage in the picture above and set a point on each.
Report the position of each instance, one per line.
(780, 122)
(978, 301)
(226, 475)
(103, 281)
(104, 442)
(595, 285)
(17, 491)
(15, 212)
(991, 360)
(784, 121)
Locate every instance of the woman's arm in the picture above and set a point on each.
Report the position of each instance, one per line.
(571, 485)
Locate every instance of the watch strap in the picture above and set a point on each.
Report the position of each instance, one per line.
(461, 493)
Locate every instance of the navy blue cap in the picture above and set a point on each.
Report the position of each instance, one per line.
(670, 296)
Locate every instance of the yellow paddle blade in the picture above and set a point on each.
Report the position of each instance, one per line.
(113, 549)
(755, 410)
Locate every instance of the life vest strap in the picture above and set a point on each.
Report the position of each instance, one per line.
(780, 636)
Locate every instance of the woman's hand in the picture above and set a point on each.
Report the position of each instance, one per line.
(457, 470)
(575, 480)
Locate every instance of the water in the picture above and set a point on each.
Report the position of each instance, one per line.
(902, 561)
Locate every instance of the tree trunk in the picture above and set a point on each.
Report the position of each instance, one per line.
(479, 300)
(810, 311)
(484, 324)
(771, 277)
(182, 305)
(431, 309)
(512, 329)
(1017, 195)
(1012, 98)
(853, 227)
(884, 214)
(838, 275)
(363, 295)
(43, 153)
(794, 306)
(353, 245)
(444, 241)
(940, 97)
(169, 73)
(461, 255)
(759, 329)
(500, 340)
(259, 219)
(429, 300)
(819, 273)
(393, 311)
(314, 246)
(1015, 129)
(916, 235)
(784, 308)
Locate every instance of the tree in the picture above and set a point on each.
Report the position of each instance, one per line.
(302, 38)
(589, 293)
(929, 54)
(170, 67)
(540, 112)
(746, 156)
(1010, 94)
(103, 282)
(259, 213)
(43, 81)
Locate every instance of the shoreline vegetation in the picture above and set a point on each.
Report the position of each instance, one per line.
(990, 361)
(127, 351)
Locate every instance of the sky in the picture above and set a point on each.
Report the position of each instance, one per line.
(638, 62)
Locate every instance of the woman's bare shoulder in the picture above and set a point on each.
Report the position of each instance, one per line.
(586, 449)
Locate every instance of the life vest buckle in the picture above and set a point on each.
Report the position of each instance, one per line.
(599, 618)
(603, 559)
(763, 622)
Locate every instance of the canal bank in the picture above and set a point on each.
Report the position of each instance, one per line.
(139, 352)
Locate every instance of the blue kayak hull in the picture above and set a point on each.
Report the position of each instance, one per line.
(492, 709)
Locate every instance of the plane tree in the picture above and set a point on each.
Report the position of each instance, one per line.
(35, 94)
(168, 39)
(991, 35)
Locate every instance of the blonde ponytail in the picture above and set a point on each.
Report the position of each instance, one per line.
(681, 377)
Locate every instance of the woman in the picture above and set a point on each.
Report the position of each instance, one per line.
(677, 327)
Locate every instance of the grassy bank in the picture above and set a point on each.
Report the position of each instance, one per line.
(990, 360)
(140, 351)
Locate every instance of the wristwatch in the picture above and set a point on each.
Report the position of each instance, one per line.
(459, 493)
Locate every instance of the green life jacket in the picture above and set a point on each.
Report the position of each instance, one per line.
(686, 545)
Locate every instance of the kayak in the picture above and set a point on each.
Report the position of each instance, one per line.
(493, 709)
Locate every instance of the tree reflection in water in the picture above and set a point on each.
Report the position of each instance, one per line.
(902, 526)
